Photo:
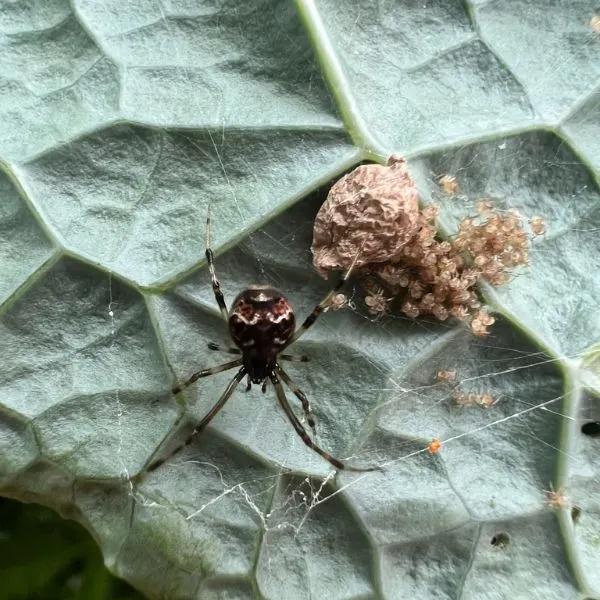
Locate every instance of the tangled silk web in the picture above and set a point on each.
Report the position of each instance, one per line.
(454, 397)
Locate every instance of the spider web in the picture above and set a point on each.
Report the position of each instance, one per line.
(373, 387)
(248, 499)
(372, 384)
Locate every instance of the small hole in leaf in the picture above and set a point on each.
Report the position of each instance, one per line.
(500, 541)
(592, 428)
(575, 513)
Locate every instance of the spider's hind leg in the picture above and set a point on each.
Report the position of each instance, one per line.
(310, 417)
(336, 462)
(199, 428)
(295, 357)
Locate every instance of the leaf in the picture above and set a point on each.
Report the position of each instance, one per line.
(122, 122)
(46, 557)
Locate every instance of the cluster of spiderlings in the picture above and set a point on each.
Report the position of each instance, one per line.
(497, 242)
(430, 277)
(438, 278)
(372, 216)
(485, 400)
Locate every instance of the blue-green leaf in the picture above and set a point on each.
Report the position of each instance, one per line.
(122, 122)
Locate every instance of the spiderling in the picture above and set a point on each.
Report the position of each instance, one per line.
(484, 400)
(434, 446)
(338, 302)
(557, 498)
(445, 376)
(449, 184)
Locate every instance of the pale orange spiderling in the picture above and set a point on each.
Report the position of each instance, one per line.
(446, 375)
(434, 446)
(338, 302)
(449, 184)
(558, 498)
(484, 400)
(538, 227)
(483, 206)
(376, 303)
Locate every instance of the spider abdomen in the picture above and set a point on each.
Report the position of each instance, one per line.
(261, 321)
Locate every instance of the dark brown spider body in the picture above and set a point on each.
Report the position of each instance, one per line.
(261, 322)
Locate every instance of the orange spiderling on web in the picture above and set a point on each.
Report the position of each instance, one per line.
(434, 446)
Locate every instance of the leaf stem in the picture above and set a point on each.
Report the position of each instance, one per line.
(338, 83)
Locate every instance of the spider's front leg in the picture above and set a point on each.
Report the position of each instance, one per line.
(216, 286)
(206, 373)
(323, 306)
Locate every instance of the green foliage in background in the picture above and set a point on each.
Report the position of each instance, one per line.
(121, 121)
(45, 557)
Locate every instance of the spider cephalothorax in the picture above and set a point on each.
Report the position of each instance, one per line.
(261, 322)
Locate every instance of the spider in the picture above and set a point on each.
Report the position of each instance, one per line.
(261, 324)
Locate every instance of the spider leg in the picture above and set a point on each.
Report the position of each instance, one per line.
(205, 421)
(216, 347)
(207, 373)
(210, 259)
(294, 357)
(323, 306)
(338, 464)
(310, 418)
